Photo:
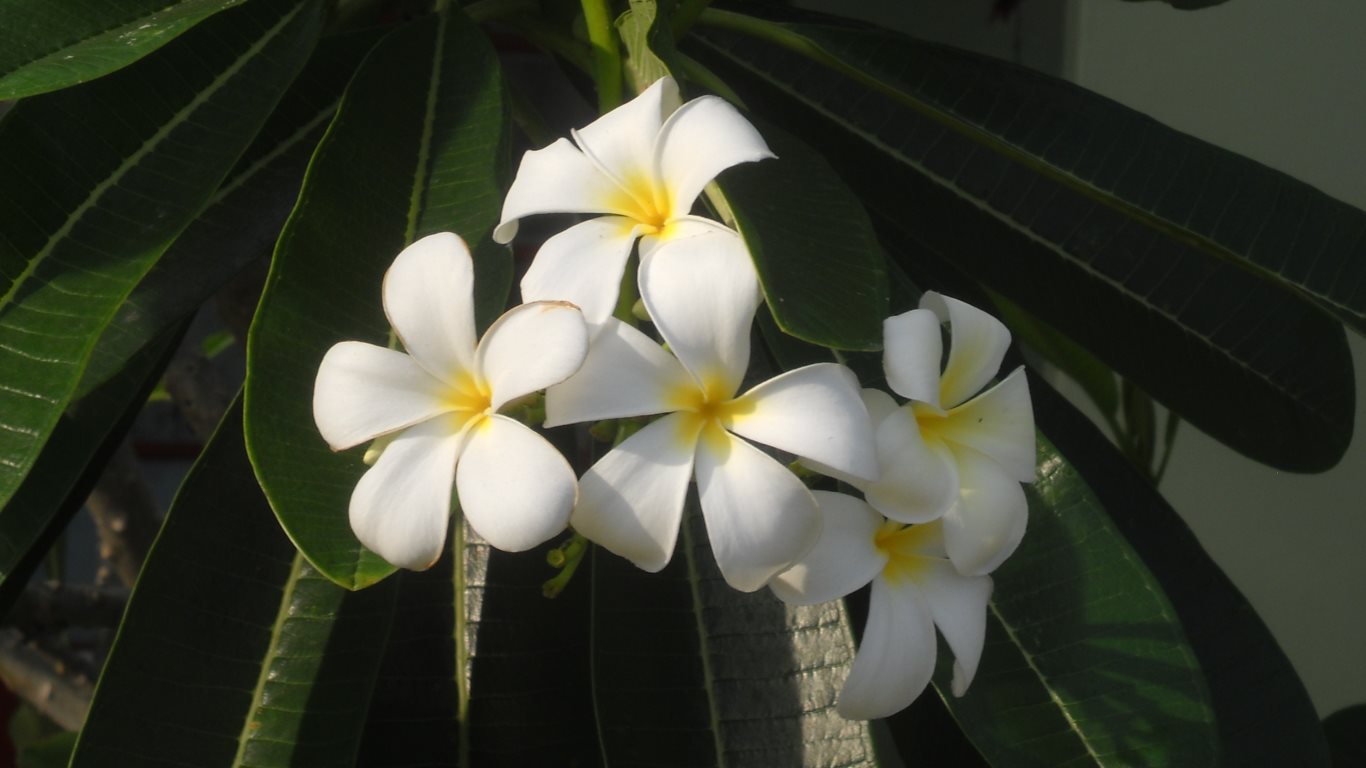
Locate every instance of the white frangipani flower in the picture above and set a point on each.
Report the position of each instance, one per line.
(438, 405)
(946, 453)
(915, 588)
(643, 165)
(759, 516)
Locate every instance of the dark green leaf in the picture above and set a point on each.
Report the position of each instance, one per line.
(233, 650)
(1180, 265)
(689, 672)
(1346, 732)
(1187, 5)
(50, 45)
(1085, 661)
(417, 147)
(1264, 715)
(96, 181)
(819, 263)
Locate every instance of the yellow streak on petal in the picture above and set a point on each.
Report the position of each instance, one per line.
(468, 394)
(708, 411)
(904, 546)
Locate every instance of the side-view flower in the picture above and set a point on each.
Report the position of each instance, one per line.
(437, 406)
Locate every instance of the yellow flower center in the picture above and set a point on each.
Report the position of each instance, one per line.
(931, 421)
(709, 410)
(903, 545)
(646, 202)
(469, 395)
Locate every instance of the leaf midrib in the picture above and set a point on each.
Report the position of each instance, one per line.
(276, 635)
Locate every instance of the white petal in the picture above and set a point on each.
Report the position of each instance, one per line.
(531, 347)
(895, 658)
(978, 343)
(429, 300)
(814, 412)
(625, 374)
(583, 265)
(760, 518)
(559, 179)
(703, 138)
(623, 140)
(988, 522)
(913, 350)
(701, 291)
(515, 489)
(959, 606)
(880, 405)
(844, 558)
(631, 500)
(401, 505)
(999, 423)
(917, 483)
(363, 391)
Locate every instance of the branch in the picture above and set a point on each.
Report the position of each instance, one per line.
(43, 681)
(125, 515)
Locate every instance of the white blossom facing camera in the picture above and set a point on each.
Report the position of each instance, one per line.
(643, 165)
(438, 404)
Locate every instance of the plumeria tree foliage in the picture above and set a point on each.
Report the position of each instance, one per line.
(652, 382)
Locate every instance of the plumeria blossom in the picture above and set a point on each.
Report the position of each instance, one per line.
(760, 518)
(947, 454)
(438, 404)
(642, 165)
(915, 588)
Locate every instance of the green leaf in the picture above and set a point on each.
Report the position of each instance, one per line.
(819, 263)
(243, 218)
(416, 147)
(233, 650)
(1264, 714)
(1346, 733)
(96, 181)
(1180, 265)
(689, 672)
(1085, 661)
(1187, 5)
(51, 45)
(649, 43)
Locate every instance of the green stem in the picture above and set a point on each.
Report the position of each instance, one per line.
(606, 53)
(686, 15)
(567, 558)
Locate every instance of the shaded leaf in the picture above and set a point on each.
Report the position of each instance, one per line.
(416, 147)
(51, 45)
(645, 32)
(96, 181)
(1180, 265)
(233, 650)
(1346, 733)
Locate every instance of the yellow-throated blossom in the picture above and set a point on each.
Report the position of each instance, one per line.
(439, 403)
(643, 165)
(759, 516)
(915, 588)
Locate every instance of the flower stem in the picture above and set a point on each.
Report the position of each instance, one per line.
(567, 557)
(606, 53)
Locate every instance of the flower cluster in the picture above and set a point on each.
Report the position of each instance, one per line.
(941, 506)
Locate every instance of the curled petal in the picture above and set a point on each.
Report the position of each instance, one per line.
(583, 265)
(977, 347)
(959, 606)
(363, 391)
(896, 656)
(631, 500)
(429, 300)
(402, 504)
(844, 558)
(988, 522)
(623, 140)
(814, 412)
(760, 518)
(699, 141)
(913, 349)
(880, 405)
(531, 347)
(701, 291)
(559, 179)
(625, 374)
(999, 423)
(515, 489)
(918, 482)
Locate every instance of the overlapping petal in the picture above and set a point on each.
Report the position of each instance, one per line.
(623, 140)
(918, 482)
(700, 140)
(815, 412)
(428, 299)
(760, 518)
(363, 391)
(913, 350)
(402, 505)
(896, 656)
(977, 347)
(958, 605)
(625, 374)
(844, 558)
(515, 489)
(583, 265)
(559, 179)
(631, 500)
(998, 423)
(988, 522)
(701, 291)
(529, 348)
